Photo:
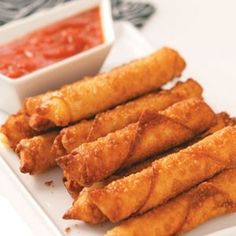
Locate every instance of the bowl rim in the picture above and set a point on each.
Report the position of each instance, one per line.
(106, 24)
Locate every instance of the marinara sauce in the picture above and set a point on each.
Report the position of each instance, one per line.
(51, 44)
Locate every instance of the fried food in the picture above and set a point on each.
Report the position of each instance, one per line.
(209, 199)
(16, 128)
(165, 178)
(119, 117)
(35, 153)
(154, 133)
(83, 208)
(222, 120)
(89, 96)
(74, 135)
(74, 188)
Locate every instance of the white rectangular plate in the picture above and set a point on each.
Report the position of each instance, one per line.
(44, 206)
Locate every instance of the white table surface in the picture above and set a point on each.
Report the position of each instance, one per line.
(195, 28)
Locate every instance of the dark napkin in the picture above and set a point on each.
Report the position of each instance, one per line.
(135, 12)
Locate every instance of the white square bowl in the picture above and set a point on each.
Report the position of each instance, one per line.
(13, 91)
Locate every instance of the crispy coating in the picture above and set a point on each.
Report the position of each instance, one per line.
(35, 101)
(167, 177)
(222, 120)
(16, 128)
(185, 212)
(83, 208)
(19, 123)
(71, 137)
(75, 135)
(154, 133)
(35, 153)
(119, 117)
(74, 188)
(89, 96)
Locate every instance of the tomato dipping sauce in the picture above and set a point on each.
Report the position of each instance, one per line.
(51, 44)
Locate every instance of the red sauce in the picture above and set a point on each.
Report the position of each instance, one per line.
(51, 44)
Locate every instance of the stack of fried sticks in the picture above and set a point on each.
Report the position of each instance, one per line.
(161, 158)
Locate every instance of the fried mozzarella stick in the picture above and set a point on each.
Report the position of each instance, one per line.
(119, 117)
(83, 208)
(80, 212)
(209, 199)
(222, 120)
(165, 178)
(74, 135)
(16, 128)
(152, 134)
(35, 153)
(89, 96)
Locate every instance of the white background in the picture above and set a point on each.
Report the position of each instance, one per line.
(204, 31)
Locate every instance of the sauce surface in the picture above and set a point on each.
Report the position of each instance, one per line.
(51, 44)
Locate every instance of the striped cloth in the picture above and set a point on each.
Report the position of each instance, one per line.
(135, 12)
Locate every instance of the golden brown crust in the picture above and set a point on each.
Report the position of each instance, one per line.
(71, 137)
(167, 177)
(32, 103)
(209, 199)
(74, 188)
(222, 119)
(35, 153)
(16, 128)
(87, 211)
(79, 211)
(87, 97)
(154, 133)
(119, 117)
